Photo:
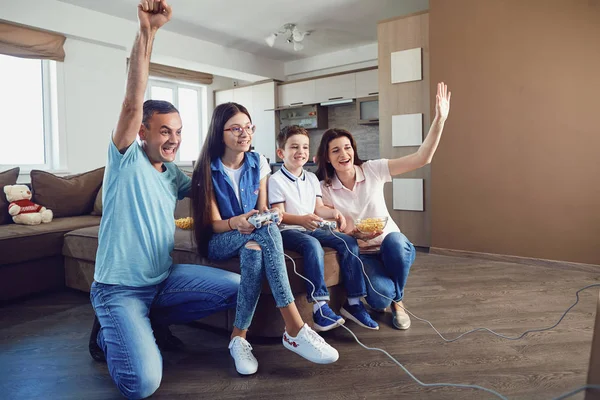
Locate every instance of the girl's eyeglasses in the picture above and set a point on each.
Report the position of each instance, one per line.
(238, 130)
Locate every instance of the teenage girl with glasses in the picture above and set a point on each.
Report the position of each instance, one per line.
(229, 185)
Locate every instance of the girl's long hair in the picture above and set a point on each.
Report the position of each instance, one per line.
(325, 171)
(202, 192)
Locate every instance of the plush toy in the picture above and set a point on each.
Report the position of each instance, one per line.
(22, 209)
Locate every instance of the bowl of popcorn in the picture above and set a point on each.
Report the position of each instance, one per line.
(370, 225)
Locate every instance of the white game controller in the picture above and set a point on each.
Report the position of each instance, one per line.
(327, 224)
(258, 219)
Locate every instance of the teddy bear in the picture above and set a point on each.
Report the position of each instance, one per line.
(22, 209)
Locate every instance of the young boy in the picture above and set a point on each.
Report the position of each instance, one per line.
(297, 193)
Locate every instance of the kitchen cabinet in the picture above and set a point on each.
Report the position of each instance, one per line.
(368, 110)
(223, 96)
(367, 83)
(338, 87)
(263, 99)
(296, 94)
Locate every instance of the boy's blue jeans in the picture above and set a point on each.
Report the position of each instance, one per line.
(190, 292)
(310, 245)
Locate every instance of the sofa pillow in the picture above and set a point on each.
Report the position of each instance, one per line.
(98, 203)
(66, 196)
(8, 177)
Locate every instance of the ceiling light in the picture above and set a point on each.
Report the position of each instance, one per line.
(293, 34)
(271, 39)
(297, 35)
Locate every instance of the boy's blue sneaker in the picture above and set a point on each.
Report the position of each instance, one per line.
(359, 314)
(322, 324)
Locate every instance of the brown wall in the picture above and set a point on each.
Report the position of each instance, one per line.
(518, 168)
(594, 368)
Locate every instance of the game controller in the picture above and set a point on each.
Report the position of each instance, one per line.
(327, 224)
(258, 219)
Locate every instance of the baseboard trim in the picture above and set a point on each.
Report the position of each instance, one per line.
(516, 259)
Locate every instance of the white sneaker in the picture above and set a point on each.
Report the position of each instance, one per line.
(311, 346)
(241, 351)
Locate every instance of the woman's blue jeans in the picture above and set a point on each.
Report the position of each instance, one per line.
(388, 270)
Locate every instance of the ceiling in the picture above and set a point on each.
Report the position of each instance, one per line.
(243, 24)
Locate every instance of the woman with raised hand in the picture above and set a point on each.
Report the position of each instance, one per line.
(355, 188)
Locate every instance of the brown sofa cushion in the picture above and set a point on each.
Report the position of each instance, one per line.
(8, 177)
(82, 244)
(68, 196)
(181, 211)
(20, 243)
(98, 203)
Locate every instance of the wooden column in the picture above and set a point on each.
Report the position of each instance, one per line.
(393, 35)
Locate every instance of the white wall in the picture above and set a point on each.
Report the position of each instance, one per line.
(93, 89)
(220, 83)
(339, 61)
(92, 92)
(169, 48)
(92, 78)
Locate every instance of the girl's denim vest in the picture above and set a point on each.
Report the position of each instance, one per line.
(249, 185)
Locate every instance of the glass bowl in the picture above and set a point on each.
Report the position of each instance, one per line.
(370, 225)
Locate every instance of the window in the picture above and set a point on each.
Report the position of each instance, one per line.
(190, 100)
(28, 111)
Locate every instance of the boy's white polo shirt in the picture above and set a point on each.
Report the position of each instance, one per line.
(299, 193)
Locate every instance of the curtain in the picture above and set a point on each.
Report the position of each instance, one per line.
(19, 41)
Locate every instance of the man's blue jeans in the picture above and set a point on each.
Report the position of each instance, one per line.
(190, 292)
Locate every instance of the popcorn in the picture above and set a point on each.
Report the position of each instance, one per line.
(185, 223)
(370, 225)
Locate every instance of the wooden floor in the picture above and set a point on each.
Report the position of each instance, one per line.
(43, 344)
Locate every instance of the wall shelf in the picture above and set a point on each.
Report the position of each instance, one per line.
(308, 117)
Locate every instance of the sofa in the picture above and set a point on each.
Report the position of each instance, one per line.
(31, 259)
(62, 253)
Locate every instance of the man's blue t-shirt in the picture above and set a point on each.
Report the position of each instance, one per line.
(137, 230)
